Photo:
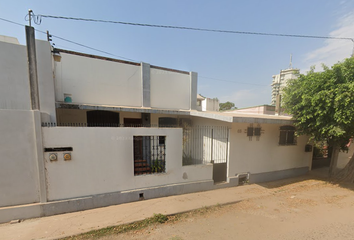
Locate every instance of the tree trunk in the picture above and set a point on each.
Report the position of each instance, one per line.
(347, 173)
(334, 161)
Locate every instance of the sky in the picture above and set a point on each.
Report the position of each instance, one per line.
(232, 67)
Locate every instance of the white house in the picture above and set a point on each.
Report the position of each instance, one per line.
(110, 131)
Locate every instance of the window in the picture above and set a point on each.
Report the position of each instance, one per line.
(253, 131)
(249, 131)
(149, 154)
(257, 131)
(287, 135)
(162, 140)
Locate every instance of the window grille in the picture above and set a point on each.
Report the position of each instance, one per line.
(287, 135)
(149, 154)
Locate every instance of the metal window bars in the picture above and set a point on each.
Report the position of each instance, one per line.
(149, 154)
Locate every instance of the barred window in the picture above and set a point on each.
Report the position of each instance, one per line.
(253, 131)
(149, 154)
(287, 135)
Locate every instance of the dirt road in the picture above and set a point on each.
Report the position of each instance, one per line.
(309, 209)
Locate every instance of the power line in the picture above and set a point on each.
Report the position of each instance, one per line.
(79, 44)
(95, 49)
(70, 41)
(221, 80)
(12, 22)
(192, 28)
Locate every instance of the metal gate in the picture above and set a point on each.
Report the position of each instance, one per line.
(207, 144)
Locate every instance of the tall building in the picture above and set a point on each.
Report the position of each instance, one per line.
(280, 80)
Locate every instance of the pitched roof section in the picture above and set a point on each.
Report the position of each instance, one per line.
(200, 97)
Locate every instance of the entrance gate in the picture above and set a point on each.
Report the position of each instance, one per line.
(207, 144)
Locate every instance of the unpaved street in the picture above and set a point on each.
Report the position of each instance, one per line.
(309, 209)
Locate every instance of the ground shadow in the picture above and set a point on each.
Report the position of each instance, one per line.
(320, 174)
(317, 174)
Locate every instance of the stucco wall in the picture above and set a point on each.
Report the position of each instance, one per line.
(96, 81)
(102, 161)
(344, 157)
(170, 90)
(14, 83)
(45, 79)
(14, 79)
(18, 164)
(209, 104)
(265, 155)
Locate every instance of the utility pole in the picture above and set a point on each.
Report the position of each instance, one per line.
(34, 93)
(29, 16)
(32, 64)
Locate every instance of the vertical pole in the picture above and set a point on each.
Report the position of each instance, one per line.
(227, 151)
(30, 16)
(212, 145)
(32, 67)
(278, 105)
(34, 93)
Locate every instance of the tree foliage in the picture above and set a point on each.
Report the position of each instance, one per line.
(322, 103)
(227, 106)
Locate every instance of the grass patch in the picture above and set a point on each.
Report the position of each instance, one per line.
(139, 225)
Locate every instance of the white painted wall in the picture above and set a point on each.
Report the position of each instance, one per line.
(209, 104)
(102, 161)
(14, 83)
(96, 81)
(45, 79)
(9, 39)
(344, 157)
(14, 79)
(265, 155)
(18, 161)
(170, 90)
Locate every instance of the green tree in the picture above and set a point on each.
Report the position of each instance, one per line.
(322, 105)
(227, 106)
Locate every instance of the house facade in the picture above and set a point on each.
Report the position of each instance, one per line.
(110, 131)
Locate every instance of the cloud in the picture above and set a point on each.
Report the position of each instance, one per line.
(333, 50)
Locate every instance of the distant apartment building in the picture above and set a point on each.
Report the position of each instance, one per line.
(280, 80)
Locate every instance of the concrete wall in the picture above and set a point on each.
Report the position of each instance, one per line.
(344, 157)
(170, 90)
(45, 79)
(96, 81)
(18, 162)
(102, 161)
(265, 154)
(14, 83)
(209, 104)
(14, 79)
(102, 82)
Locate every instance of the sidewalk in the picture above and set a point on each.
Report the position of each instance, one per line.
(64, 225)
